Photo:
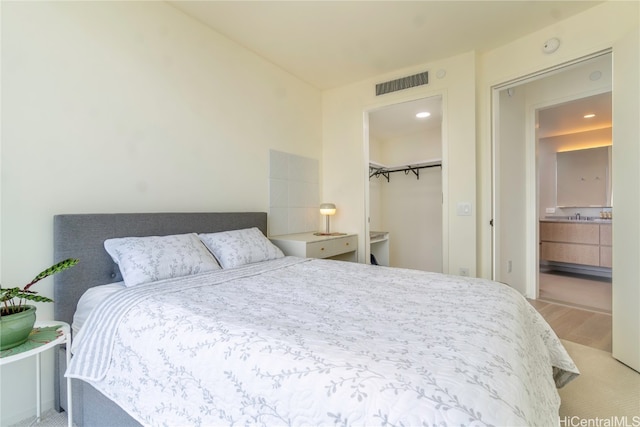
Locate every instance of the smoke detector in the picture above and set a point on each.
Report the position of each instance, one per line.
(551, 45)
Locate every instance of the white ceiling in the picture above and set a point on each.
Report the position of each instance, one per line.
(569, 117)
(400, 119)
(332, 43)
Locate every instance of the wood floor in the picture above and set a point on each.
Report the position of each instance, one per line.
(576, 290)
(584, 327)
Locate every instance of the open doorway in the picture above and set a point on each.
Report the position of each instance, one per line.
(574, 143)
(516, 239)
(405, 185)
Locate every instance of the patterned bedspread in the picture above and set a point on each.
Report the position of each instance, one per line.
(315, 342)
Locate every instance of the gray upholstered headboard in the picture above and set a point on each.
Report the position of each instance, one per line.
(82, 236)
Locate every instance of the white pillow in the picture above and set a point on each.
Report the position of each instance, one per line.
(147, 259)
(239, 247)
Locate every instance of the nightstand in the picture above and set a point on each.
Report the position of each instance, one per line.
(308, 245)
(45, 335)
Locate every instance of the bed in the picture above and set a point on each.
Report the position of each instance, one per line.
(275, 340)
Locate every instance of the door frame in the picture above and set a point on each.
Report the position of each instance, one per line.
(531, 167)
(532, 146)
(445, 181)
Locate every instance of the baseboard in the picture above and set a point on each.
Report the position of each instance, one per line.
(575, 269)
(576, 306)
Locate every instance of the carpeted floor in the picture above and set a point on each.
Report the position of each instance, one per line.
(50, 418)
(606, 390)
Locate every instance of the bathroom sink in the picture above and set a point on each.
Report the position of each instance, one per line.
(588, 219)
(574, 219)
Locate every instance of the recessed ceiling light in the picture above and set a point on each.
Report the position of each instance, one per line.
(422, 115)
(589, 116)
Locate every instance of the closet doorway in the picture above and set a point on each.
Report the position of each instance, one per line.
(405, 185)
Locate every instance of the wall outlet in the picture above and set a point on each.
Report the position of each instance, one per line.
(464, 271)
(550, 210)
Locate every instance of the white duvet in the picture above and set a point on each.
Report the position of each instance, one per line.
(315, 342)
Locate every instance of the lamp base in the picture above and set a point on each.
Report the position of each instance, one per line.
(329, 234)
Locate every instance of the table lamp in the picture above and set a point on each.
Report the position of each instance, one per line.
(327, 209)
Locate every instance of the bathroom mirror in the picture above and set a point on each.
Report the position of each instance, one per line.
(583, 177)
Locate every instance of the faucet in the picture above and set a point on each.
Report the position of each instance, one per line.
(578, 216)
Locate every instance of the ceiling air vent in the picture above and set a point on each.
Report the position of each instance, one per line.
(403, 83)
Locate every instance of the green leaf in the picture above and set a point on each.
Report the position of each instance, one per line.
(7, 294)
(34, 297)
(61, 266)
(13, 299)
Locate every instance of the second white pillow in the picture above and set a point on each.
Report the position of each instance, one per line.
(239, 247)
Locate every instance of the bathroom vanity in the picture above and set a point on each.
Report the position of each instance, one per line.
(586, 243)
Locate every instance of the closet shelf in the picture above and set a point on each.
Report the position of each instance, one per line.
(378, 236)
(378, 169)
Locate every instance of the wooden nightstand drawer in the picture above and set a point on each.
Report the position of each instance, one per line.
(309, 245)
(332, 247)
(348, 244)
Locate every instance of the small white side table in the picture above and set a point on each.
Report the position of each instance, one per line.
(342, 247)
(64, 336)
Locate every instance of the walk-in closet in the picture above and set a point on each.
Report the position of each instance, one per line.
(405, 184)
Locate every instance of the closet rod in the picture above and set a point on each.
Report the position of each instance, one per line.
(377, 172)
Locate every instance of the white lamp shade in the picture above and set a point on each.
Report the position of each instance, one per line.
(327, 209)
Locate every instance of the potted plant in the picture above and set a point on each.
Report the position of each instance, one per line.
(16, 317)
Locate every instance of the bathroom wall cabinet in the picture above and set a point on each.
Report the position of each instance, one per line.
(584, 243)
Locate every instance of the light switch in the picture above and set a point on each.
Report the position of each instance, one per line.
(464, 209)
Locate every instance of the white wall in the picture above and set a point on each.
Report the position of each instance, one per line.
(129, 107)
(344, 151)
(509, 218)
(294, 199)
(413, 147)
(609, 25)
(413, 218)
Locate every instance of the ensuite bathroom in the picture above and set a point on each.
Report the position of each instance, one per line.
(576, 205)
